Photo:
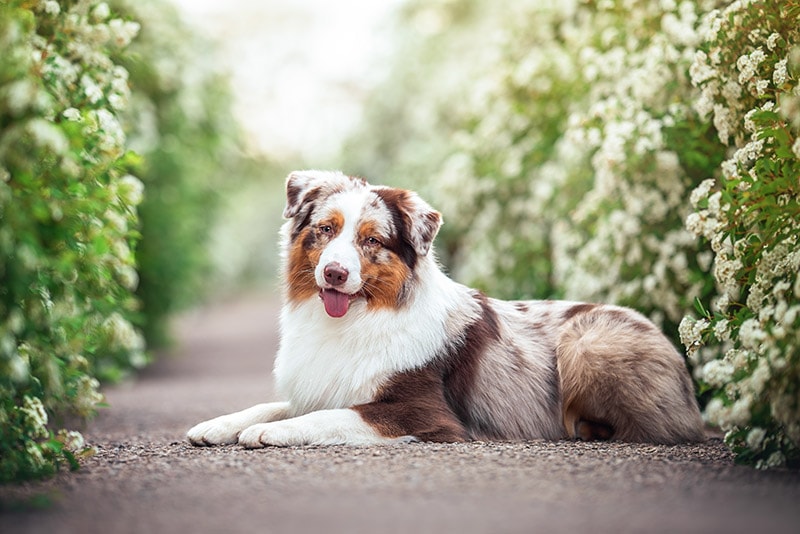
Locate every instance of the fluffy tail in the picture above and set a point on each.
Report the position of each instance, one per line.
(622, 379)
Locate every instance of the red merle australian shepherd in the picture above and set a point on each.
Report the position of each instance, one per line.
(378, 345)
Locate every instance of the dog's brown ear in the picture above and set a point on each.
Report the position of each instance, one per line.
(424, 223)
(298, 186)
(420, 222)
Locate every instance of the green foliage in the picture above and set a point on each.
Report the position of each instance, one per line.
(747, 347)
(87, 249)
(67, 227)
(181, 125)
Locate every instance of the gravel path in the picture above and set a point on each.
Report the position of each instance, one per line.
(146, 479)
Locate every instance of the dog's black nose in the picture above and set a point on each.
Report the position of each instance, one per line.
(336, 274)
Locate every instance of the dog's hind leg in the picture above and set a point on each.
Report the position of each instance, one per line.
(621, 378)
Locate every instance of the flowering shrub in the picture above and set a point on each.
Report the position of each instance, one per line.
(67, 224)
(580, 163)
(502, 180)
(604, 139)
(179, 121)
(746, 348)
(85, 253)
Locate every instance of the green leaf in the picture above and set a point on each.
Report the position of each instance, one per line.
(698, 305)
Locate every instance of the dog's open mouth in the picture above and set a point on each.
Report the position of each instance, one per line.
(336, 303)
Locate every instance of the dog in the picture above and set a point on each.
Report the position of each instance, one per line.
(378, 345)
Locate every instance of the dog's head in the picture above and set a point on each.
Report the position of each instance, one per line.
(347, 240)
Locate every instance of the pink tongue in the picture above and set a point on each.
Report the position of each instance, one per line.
(336, 303)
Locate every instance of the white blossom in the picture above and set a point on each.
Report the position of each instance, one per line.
(122, 334)
(751, 334)
(131, 190)
(51, 7)
(780, 76)
(123, 32)
(722, 330)
(772, 40)
(724, 123)
(101, 12)
(34, 454)
(717, 373)
(747, 65)
(91, 89)
(48, 135)
(755, 438)
(701, 191)
(73, 441)
(72, 114)
(35, 416)
(691, 330)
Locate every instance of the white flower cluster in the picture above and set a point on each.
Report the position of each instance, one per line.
(122, 335)
(523, 197)
(691, 331)
(616, 128)
(635, 252)
(35, 416)
(87, 396)
(760, 337)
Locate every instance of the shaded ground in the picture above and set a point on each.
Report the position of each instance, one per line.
(145, 478)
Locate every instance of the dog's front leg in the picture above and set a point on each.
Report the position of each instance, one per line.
(324, 427)
(226, 428)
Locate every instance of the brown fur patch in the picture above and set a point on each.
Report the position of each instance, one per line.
(461, 360)
(396, 201)
(384, 273)
(384, 283)
(610, 377)
(634, 322)
(369, 229)
(305, 251)
(302, 214)
(303, 258)
(335, 220)
(521, 307)
(412, 404)
(578, 309)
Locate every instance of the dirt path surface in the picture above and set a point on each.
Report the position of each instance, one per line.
(146, 479)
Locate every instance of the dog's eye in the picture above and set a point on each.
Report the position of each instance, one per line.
(326, 229)
(372, 241)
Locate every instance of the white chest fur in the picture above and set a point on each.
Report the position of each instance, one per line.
(325, 362)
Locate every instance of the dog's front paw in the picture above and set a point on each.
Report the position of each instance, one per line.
(268, 434)
(218, 431)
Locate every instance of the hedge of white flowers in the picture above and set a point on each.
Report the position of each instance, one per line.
(637, 152)
(112, 140)
(67, 225)
(746, 345)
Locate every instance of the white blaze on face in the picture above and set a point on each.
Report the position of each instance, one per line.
(343, 249)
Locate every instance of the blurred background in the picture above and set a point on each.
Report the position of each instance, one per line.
(264, 88)
(516, 121)
(298, 75)
(376, 89)
(594, 150)
(372, 88)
